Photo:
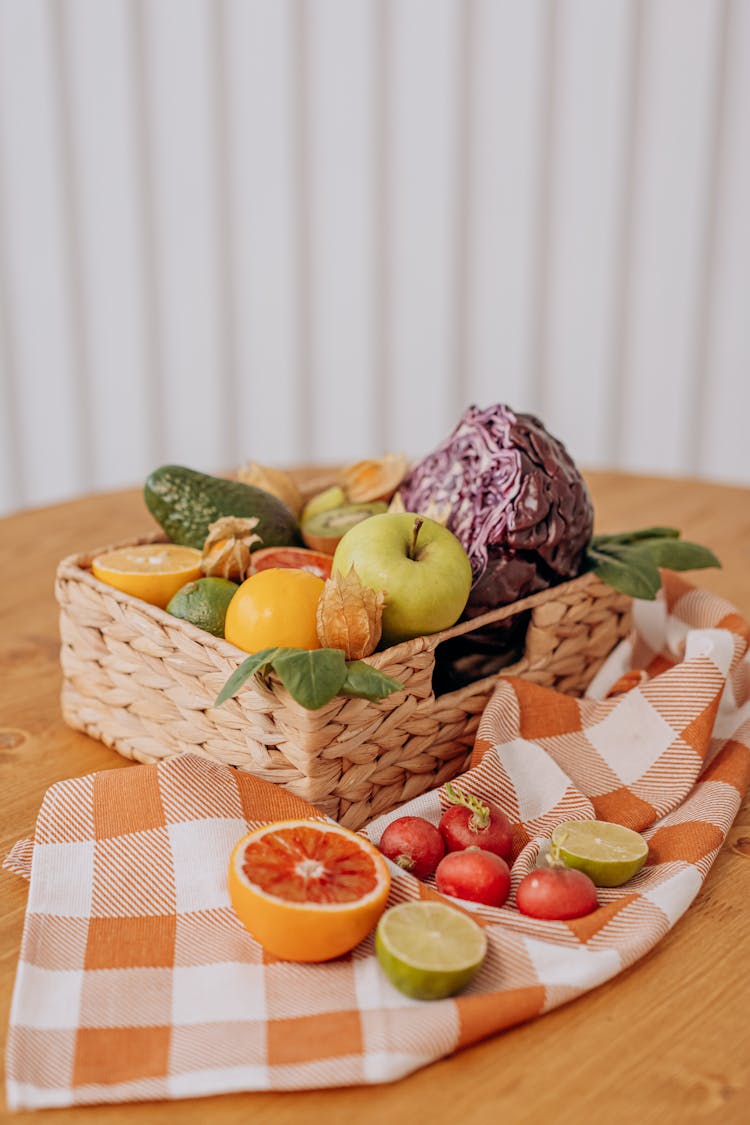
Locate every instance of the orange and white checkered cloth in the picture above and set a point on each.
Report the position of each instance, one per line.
(136, 980)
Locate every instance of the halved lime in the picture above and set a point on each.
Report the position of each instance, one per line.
(429, 950)
(609, 854)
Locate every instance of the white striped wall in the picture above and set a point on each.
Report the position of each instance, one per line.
(292, 231)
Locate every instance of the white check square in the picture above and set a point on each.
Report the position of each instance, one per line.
(632, 737)
(538, 781)
(47, 999)
(200, 853)
(218, 993)
(62, 879)
(563, 965)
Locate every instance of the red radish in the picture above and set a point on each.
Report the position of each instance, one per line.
(556, 892)
(470, 822)
(414, 844)
(474, 874)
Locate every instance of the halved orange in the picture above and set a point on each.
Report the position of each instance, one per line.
(296, 558)
(307, 890)
(153, 572)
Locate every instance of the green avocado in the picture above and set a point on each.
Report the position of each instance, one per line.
(184, 502)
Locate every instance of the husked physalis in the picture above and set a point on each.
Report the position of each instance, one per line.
(349, 615)
(437, 512)
(374, 479)
(228, 547)
(275, 481)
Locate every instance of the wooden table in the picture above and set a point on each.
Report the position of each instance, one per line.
(666, 1041)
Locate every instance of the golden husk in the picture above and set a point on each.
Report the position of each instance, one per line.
(228, 547)
(279, 483)
(349, 615)
(437, 512)
(373, 479)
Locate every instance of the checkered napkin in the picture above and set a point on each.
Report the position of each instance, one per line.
(136, 981)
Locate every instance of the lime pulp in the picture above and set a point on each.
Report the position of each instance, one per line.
(429, 950)
(608, 853)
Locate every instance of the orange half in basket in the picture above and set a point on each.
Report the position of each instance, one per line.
(307, 890)
(153, 572)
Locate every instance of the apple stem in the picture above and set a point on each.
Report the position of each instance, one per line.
(418, 521)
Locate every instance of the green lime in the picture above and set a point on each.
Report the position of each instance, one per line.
(429, 950)
(332, 497)
(609, 854)
(204, 603)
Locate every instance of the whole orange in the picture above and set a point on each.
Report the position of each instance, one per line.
(275, 607)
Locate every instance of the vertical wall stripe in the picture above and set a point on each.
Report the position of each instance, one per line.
(382, 405)
(538, 326)
(36, 253)
(423, 136)
(462, 269)
(342, 186)
(230, 421)
(591, 102)
(300, 78)
(623, 263)
(698, 387)
(81, 375)
(155, 409)
(13, 492)
(672, 178)
(505, 121)
(727, 400)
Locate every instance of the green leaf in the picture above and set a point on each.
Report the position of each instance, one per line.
(367, 682)
(635, 536)
(258, 662)
(630, 560)
(633, 574)
(312, 677)
(676, 554)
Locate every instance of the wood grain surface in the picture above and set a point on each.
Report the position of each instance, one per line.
(665, 1041)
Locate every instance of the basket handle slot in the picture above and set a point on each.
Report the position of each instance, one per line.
(475, 654)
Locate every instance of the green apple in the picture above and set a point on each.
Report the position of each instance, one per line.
(419, 565)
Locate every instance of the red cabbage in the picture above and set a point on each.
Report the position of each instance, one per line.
(517, 503)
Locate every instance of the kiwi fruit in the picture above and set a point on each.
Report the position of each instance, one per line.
(322, 532)
(332, 497)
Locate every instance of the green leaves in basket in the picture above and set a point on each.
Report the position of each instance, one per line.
(312, 677)
(630, 560)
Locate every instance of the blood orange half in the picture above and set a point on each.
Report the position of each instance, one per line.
(307, 890)
(298, 558)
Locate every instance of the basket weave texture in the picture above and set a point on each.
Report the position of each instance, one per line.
(144, 683)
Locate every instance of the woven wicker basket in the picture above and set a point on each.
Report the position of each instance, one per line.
(144, 683)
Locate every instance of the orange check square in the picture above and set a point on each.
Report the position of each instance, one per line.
(311, 1038)
(128, 943)
(126, 801)
(105, 1056)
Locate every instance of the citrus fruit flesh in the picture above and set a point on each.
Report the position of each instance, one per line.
(204, 603)
(153, 572)
(298, 558)
(307, 890)
(428, 950)
(608, 853)
(275, 607)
